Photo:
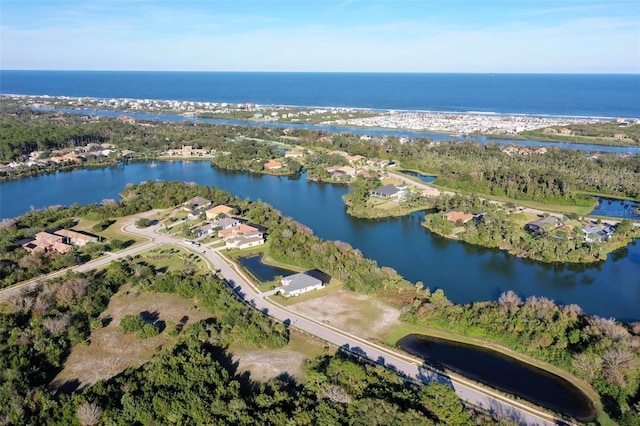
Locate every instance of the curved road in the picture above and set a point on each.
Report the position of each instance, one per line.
(249, 293)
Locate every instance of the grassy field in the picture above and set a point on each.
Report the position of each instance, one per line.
(169, 258)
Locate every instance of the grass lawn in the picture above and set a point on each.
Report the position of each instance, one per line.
(168, 258)
(112, 232)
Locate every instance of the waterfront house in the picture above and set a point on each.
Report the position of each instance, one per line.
(388, 191)
(246, 241)
(240, 230)
(197, 203)
(296, 284)
(456, 216)
(598, 233)
(540, 226)
(273, 165)
(44, 242)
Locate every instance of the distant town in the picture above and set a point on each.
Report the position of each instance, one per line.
(466, 123)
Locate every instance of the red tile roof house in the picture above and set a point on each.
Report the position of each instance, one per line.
(454, 217)
(273, 165)
(45, 242)
(241, 230)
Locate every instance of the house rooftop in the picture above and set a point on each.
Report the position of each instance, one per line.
(299, 281)
(198, 202)
(388, 190)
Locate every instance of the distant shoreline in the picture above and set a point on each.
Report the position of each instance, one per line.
(338, 107)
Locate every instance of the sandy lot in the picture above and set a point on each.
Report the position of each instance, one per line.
(268, 364)
(353, 312)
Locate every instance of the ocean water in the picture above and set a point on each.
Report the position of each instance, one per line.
(590, 95)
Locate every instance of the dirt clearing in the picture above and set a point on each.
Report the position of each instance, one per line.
(356, 313)
(110, 351)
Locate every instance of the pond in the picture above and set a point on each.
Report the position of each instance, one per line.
(617, 209)
(423, 178)
(504, 373)
(260, 270)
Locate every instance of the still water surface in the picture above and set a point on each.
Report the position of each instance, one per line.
(502, 372)
(464, 272)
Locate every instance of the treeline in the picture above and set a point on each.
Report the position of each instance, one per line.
(37, 333)
(556, 177)
(604, 352)
(19, 138)
(606, 133)
(186, 384)
(249, 155)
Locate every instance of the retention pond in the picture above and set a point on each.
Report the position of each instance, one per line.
(504, 373)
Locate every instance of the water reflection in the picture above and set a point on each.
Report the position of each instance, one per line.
(262, 271)
(502, 372)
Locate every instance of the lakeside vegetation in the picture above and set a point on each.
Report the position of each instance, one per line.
(498, 226)
(601, 351)
(599, 133)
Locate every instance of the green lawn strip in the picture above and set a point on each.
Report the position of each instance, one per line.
(554, 208)
(405, 329)
(114, 232)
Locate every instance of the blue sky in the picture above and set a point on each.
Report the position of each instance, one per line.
(302, 35)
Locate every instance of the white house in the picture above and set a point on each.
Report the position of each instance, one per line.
(296, 284)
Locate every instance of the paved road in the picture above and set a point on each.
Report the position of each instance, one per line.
(246, 290)
(401, 363)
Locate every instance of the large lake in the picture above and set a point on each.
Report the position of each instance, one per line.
(466, 273)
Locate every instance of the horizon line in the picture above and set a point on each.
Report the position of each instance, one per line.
(327, 72)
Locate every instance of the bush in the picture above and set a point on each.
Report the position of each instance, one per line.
(136, 325)
(143, 223)
(131, 324)
(102, 225)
